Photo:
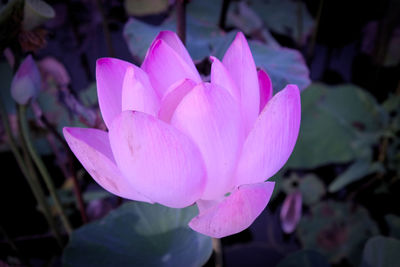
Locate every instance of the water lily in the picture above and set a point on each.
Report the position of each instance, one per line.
(176, 140)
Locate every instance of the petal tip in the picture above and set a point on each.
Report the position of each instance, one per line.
(157, 44)
(240, 36)
(294, 88)
(68, 131)
(162, 34)
(102, 61)
(29, 59)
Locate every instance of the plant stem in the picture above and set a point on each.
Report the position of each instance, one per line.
(224, 11)
(40, 195)
(41, 167)
(216, 243)
(14, 247)
(30, 176)
(181, 19)
(79, 198)
(68, 173)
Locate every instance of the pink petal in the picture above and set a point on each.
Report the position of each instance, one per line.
(92, 148)
(204, 205)
(291, 212)
(110, 73)
(176, 44)
(235, 213)
(221, 77)
(158, 160)
(271, 141)
(211, 118)
(240, 65)
(173, 97)
(265, 88)
(166, 67)
(137, 93)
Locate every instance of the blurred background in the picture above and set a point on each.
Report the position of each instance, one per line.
(336, 201)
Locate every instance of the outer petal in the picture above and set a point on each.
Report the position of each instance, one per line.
(271, 141)
(137, 93)
(173, 97)
(240, 65)
(110, 73)
(165, 67)
(221, 77)
(211, 118)
(291, 212)
(176, 44)
(92, 148)
(265, 88)
(158, 160)
(235, 213)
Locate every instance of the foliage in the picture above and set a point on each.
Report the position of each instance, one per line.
(306, 258)
(337, 230)
(287, 17)
(140, 234)
(381, 251)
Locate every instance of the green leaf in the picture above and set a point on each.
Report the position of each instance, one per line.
(312, 189)
(7, 10)
(283, 16)
(139, 234)
(354, 107)
(88, 96)
(139, 35)
(145, 7)
(283, 65)
(322, 138)
(222, 44)
(96, 195)
(205, 11)
(36, 12)
(393, 222)
(199, 36)
(242, 17)
(11, 15)
(334, 119)
(392, 103)
(381, 252)
(304, 258)
(337, 230)
(355, 172)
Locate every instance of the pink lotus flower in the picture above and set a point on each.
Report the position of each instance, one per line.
(176, 140)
